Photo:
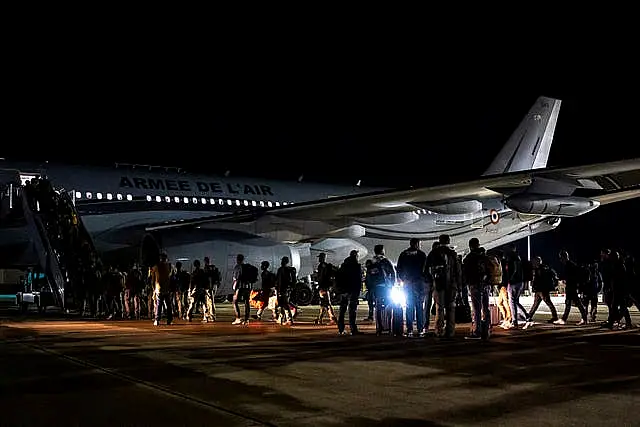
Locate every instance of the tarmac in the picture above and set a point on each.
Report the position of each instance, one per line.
(56, 370)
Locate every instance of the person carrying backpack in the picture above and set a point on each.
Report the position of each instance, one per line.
(326, 274)
(515, 284)
(381, 276)
(214, 278)
(286, 279)
(268, 280)
(476, 271)
(545, 281)
(590, 291)
(446, 272)
(244, 275)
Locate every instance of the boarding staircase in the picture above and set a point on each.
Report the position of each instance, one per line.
(57, 243)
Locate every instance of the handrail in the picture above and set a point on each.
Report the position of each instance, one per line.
(48, 258)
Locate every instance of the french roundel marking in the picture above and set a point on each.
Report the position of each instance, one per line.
(494, 217)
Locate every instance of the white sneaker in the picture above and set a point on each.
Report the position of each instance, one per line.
(559, 322)
(527, 324)
(507, 325)
(155, 323)
(582, 322)
(236, 322)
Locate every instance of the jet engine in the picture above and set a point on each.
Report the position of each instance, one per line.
(544, 204)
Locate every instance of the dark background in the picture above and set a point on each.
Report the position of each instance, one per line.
(389, 120)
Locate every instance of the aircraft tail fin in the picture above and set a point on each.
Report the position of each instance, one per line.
(528, 147)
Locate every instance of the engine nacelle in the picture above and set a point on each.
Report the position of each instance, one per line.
(455, 208)
(544, 204)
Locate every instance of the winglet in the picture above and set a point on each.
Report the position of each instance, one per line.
(528, 147)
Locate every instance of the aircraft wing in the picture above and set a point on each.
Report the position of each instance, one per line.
(607, 182)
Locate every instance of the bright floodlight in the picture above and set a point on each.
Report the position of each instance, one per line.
(398, 296)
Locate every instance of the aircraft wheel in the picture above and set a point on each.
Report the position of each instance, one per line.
(303, 295)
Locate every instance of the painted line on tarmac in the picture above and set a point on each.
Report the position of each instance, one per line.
(149, 385)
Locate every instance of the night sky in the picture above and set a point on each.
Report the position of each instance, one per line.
(329, 121)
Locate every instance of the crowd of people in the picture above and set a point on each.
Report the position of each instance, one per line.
(451, 282)
(441, 277)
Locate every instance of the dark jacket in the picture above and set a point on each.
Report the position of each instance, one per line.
(412, 265)
(513, 268)
(286, 278)
(268, 280)
(181, 280)
(545, 279)
(199, 280)
(326, 275)
(349, 278)
(571, 273)
(473, 268)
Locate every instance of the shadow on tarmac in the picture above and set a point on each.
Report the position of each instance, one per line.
(563, 364)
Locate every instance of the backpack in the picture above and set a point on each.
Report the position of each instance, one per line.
(549, 279)
(493, 269)
(249, 274)
(445, 269)
(376, 274)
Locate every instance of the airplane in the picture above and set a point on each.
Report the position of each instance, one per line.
(131, 210)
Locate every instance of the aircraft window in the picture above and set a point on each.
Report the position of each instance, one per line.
(284, 203)
(167, 199)
(261, 203)
(89, 195)
(129, 198)
(212, 201)
(78, 195)
(99, 196)
(176, 199)
(204, 201)
(253, 203)
(195, 200)
(158, 199)
(246, 203)
(119, 197)
(109, 196)
(229, 202)
(238, 202)
(277, 203)
(269, 204)
(148, 198)
(220, 202)
(186, 200)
